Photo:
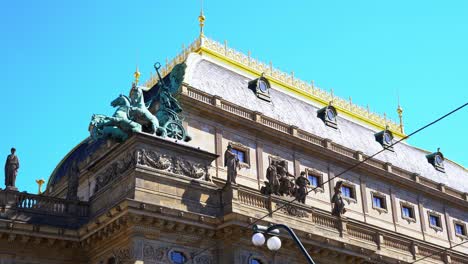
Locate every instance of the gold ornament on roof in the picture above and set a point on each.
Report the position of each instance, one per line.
(201, 19)
(275, 76)
(40, 182)
(400, 115)
(136, 74)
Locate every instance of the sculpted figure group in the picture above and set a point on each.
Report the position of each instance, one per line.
(281, 182)
(133, 114)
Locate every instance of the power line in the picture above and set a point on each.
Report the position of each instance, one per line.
(366, 159)
(440, 251)
(346, 170)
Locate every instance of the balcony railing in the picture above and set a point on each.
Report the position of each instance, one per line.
(33, 203)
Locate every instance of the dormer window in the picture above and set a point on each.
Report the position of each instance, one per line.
(328, 115)
(261, 87)
(437, 160)
(385, 138)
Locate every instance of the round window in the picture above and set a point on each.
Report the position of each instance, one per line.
(262, 85)
(330, 115)
(387, 138)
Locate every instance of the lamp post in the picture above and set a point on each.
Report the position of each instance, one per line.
(274, 243)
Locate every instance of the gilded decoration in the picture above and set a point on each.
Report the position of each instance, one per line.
(276, 76)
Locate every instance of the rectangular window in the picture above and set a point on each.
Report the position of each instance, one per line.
(240, 155)
(407, 212)
(379, 202)
(347, 191)
(314, 180)
(460, 229)
(434, 220)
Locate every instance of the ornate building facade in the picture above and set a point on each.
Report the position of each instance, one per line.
(158, 192)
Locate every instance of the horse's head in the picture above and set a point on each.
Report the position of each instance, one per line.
(122, 100)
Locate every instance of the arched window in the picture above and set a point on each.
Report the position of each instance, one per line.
(177, 257)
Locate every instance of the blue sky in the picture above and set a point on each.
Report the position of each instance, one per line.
(62, 61)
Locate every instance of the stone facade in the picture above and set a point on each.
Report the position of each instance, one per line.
(149, 199)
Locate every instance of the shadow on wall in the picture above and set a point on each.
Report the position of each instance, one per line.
(199, 199)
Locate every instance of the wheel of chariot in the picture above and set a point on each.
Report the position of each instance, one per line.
(175, 130)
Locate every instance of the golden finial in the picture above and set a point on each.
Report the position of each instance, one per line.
(400, 115)
(137, 75)
(201, 19)
(39, 183)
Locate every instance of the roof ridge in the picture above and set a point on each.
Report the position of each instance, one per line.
(285, 80)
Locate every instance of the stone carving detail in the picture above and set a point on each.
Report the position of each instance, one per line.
(73, 178)
(173, 164)
(291, 210)
(281, 182)
(203, 260)
(337, 200)
(231, 161)
(115, 170)
(123, 254)
(151, 253)
(11, 170)
(152, 159)
(301, 190)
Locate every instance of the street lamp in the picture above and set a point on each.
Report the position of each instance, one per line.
(274, 243)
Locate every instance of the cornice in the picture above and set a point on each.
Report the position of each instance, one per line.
(322, 146)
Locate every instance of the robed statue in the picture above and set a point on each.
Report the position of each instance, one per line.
(232, 163)
(301, 191)
(338, 201)
(286, 180)
(11, 169)
(272, 176)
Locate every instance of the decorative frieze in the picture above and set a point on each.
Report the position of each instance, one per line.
(291, 210)
(153, 159)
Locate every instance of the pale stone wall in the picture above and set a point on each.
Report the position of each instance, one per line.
(358, 209)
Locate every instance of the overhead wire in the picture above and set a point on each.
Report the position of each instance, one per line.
(345, 171)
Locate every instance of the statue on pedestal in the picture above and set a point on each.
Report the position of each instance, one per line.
(11, 170)
(232, 163)
(337, 200)
(301, 191)
(272, 176)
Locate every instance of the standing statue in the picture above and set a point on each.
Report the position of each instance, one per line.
(73, 181)
(301, 192)
(337, 200)
(232, 163)
(272, 177)
(286, 185)
(11, 170)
